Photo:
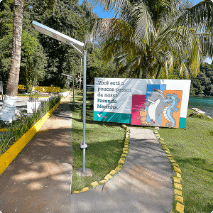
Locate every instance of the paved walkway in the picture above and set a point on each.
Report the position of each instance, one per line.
(143, 185)
(39, 179)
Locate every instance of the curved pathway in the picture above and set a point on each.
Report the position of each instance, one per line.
(143, 185)
(39, 179)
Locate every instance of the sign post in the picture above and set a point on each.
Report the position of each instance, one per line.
(79, 47)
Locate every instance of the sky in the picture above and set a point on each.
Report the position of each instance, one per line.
(103, 14)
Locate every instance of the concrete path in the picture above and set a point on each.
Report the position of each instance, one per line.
(39, 179)
(143, 185)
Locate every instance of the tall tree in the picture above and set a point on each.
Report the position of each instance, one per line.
(7, 113)
(154, 36)
(67, 17)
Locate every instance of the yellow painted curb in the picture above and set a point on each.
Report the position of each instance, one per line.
(121, 161)
(85, 189)
(16, 148)
(176, 179)
(102, 181)
(178, 196)
(178, 192)
(177, 169)
(178, 186)
(94, 184)
(177, 174)
(179, 207)
(113, 172)
(108, 177)
(118, 168)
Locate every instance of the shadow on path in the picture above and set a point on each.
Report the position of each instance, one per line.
(39, 179)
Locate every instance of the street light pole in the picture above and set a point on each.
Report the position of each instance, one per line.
(79, 47)
(84, 146)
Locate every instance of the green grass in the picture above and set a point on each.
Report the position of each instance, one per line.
(38, 96)
(63, 90)
(22, 125)
(105, 143)
(192, 150)
(78, 97)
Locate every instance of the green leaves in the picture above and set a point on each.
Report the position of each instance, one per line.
(155, 36)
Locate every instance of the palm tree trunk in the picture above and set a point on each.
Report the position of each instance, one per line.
(7, 113)
(145, 72)
(158, 73)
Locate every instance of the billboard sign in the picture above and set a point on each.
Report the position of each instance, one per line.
(145, 102)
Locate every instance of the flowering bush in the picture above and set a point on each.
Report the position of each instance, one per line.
(42, 89)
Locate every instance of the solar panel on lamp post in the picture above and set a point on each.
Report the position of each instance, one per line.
(79, 47)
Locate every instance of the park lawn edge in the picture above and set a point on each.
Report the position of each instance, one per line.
(8, 157)
(115, 171)
(178, 205)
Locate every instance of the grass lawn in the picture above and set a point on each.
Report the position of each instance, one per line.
(105, 143)
(192, 149)
(78, 97)
(38, 96)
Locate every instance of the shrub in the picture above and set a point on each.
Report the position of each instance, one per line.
(17, 128)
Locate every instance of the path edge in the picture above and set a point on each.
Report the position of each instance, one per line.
(177, 186)
(115, 171)
(7, 158)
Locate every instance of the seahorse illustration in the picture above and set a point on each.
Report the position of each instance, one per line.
(155, 105)
(172, 101)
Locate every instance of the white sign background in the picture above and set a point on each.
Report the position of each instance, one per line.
(115, 94)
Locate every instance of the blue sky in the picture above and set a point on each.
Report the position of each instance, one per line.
(103, 14)
(100, 11)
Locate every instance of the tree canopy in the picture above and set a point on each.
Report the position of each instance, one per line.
(156, 36)
(44, 59)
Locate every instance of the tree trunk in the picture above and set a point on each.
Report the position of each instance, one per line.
(7, 113)
(158, 73)
(145, 72)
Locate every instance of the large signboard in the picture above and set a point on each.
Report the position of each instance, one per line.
(146, 102)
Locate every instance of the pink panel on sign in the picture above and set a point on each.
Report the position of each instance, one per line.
(137, 109)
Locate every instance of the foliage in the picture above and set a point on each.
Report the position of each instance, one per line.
(191, 149)
(33, 96)
(23, 124)
(203, 83)
(67, 17)
(44, 59)
(33, 60)
(97, 67)
(104, 149)
(155, 36)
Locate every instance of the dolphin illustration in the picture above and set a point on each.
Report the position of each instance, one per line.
(155, 105)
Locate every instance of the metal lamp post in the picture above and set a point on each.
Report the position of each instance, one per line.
(79, 47)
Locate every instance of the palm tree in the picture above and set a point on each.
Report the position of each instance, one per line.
(7, 113)
(153, 36)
